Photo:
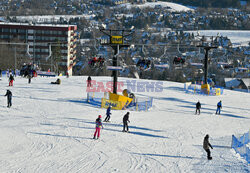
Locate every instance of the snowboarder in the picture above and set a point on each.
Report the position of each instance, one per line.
(9, 98)
(125, 122)
(11, 79)
(198, 107)
(89, 82)
(206, 146)
(219, 107)
(108, 113)
(98, 127)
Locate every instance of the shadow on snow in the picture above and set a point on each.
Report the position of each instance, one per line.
(162, 155)
(56, 135)
(110, 129)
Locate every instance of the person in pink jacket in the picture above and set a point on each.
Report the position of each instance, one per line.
(98, 127)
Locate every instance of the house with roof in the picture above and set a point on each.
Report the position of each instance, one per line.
(239, 84)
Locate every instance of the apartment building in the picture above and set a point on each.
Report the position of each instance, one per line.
(46, 43)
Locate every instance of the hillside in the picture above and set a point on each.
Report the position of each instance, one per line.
(160, 4)
(210, 3)
(50, 128)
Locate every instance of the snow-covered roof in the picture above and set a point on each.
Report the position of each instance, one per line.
(232, 82)
(43, 18)
(27, 24)
(246, 82)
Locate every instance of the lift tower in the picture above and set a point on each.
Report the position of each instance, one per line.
(116, 41)
(207, 47)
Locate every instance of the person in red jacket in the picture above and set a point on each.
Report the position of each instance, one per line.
(98, 127)
(11, 79)
(89, 82)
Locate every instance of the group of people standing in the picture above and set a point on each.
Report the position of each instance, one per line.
(198, 107)
(99, 124)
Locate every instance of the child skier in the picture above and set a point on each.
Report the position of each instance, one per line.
(108, 113)
(206, 146)
(219, 107)
(9, 98)
(98, 123)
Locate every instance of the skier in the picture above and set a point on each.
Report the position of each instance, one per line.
(108, 113)
(11, 79)
(9, 98)
(198, 107)
(206, 146)
(219, 107)
(98, 127)
(89, 82)
(125, 122)
(29, 77)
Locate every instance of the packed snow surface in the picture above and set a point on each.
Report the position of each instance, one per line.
(50, 128)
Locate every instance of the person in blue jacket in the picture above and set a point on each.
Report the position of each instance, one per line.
(108, 113)
(219, 107)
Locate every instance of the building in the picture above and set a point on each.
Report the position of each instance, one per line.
(240, 84)
(49, 46)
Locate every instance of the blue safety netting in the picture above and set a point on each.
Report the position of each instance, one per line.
(95, 98)
(6, 73)
(141, 104)
(196, 89)
(241, 146)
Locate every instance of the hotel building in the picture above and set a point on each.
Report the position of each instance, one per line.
(42, 40)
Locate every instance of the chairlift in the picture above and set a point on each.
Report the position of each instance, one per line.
(94, 61)
(178, 60)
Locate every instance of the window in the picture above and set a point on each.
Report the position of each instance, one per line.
(39, 32)
(22, 31)
(5, 36)
(6, 30)
(13, 30)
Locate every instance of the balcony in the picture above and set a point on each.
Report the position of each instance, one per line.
(73, 58)
(72, 63)
(73, 52)
(73, 46)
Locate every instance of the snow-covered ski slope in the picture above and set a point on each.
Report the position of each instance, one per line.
(174, 7)
(50, 128)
